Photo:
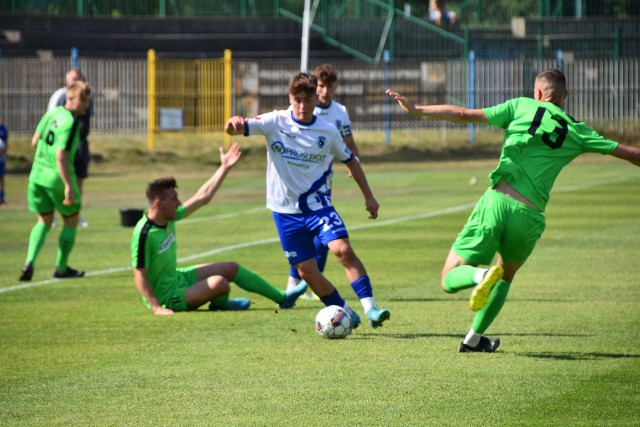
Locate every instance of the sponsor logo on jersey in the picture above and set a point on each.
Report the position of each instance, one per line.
(167, 242)
(296, 153)
(290, 135)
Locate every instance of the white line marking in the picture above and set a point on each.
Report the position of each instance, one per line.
(275, 239)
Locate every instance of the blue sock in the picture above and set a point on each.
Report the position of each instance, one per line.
(362, 287)
(333, 298)
(1, 196)
(293, 272)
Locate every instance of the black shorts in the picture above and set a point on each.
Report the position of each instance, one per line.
(82, 159)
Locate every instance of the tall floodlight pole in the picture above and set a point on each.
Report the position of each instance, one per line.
(304, 52)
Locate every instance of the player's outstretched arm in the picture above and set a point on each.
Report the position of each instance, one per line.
(206, 192)
(626, 152)
(235, 125)
(450, 113)
(144, 287)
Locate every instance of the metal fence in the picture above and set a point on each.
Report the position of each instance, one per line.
(603, 92)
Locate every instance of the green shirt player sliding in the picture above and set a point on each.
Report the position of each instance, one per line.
(540, 140)
(166, 288)
(52, 182)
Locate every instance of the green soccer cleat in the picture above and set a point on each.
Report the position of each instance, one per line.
(377, 316)
(480, 294)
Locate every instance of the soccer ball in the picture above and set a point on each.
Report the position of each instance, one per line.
(333, 322)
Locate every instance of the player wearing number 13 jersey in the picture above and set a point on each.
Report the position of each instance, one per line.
(301, 149)
(540, 140)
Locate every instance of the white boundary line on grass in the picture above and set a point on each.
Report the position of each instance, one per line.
(275, 239)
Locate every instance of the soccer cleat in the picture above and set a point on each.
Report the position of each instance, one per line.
(486, 345)
(292, 295)
(236, 304)
(480, 294)
(355, 319)
(377, 315)
(69, 273)
(27, 272)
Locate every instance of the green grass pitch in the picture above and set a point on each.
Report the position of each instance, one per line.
(88, 353)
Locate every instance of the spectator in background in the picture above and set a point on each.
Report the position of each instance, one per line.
(81, 161)
(441, 15)
(3, 155)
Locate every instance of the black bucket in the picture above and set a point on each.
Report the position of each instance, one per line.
(130, 217)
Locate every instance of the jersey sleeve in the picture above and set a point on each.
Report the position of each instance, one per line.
(339, 148)
(180, 212)
(64, 134)
(592, 142)
(260, 125)
(345, 129)
(502, 114)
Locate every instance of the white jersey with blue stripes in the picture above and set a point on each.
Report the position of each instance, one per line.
(299, 159)
(337, 114)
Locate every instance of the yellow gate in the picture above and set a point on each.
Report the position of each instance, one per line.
(192, 95)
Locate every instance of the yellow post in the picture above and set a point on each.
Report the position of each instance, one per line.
(227, 93)
(152, 107)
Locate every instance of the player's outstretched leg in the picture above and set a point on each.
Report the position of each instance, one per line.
(480, 294)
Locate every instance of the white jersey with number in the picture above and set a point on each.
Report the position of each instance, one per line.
(335, 113)
(299, 159)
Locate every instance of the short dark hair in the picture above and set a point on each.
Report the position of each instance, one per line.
(555, 83)
(303, 83)
(326, 73)
(157, 187)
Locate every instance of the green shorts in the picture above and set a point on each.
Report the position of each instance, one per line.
(174, 297)
(42, 200)
(499, 224)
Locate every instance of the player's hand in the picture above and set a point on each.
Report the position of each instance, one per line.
(231, 157)
(372, 206)
(69, 197)
(161, 311)
(402, 101)
(235, 125)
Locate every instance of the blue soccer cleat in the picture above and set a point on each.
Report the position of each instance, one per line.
(355, 319)
(292, 295)
(236, 304)
(377, 316)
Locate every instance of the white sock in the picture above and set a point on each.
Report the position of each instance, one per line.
(367, 303)
(292, 283)
(479, 274)
(472, 339)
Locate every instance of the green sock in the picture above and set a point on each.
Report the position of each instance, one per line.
(252, 282)
(220, 301)
(65, 244)
(459, 278)
(36, 241)
(489, 312)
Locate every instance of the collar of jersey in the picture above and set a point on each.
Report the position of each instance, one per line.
(323, 107)
(313, 120)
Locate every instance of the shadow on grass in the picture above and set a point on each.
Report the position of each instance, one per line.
(577, 356)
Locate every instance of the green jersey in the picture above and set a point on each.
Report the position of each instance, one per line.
(58, 130)
(155, 248)
(540, 139)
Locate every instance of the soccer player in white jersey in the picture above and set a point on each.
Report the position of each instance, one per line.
(300, 153)
(333, 112)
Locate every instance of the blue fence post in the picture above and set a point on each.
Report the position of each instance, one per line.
(387, 106)
(472, 93)
(74, 57)
(559, 60)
